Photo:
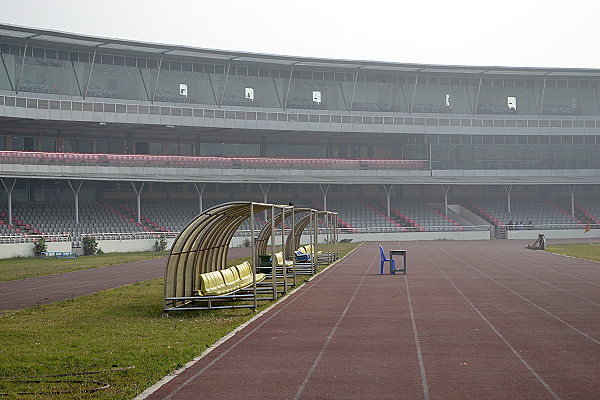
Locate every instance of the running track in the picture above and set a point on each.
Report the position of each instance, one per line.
(471, 320)
(46, 289)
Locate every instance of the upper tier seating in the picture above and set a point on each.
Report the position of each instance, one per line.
(559, 109)
(488, 108)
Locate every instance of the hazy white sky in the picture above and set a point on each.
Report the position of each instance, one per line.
(525, 33)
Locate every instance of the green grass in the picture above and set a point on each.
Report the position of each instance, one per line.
(116, 328)
(586, 251)
(29, 267)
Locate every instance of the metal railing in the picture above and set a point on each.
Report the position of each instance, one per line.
(533, 227)
(66, 237)
(142, 160)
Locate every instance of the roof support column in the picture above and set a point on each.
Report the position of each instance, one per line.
(277, 93)
(324, 191)
(157, 78)
(388, 190)
(478, 91)
(225, 84)
(446, 189)
(265, 191)
(139, 195)
(76, 79)
(22, 66)
(507, 189)
(200, 192)
(76, 193)
(543, 94)
(144, 83)
(572, 190)
(287, 92)
(12, 88)
(353, 90)
(9, 193)
(412, 102)
(90, 75)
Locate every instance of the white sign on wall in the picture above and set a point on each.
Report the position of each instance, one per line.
(317, 96)
(249, 93)
(183, 89)
(512, 102)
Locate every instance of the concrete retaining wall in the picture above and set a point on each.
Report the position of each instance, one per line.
(554, 234)
(27, 249)
(407, 236)
(124, 246)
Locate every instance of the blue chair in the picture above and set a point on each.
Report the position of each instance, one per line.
(384, 259)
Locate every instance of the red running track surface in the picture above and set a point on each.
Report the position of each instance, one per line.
(471, 320)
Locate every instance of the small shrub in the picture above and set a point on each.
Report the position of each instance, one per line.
(160, 244)
(40, 246)
(246, 242)
(90, 246)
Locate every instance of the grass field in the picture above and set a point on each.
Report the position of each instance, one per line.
(589, 252)
(29, 267)
(120, 333)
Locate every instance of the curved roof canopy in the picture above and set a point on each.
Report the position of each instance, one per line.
(72, 40)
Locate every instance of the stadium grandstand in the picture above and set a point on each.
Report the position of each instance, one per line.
(126, 138)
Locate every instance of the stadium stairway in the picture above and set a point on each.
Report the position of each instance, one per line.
(565, 213)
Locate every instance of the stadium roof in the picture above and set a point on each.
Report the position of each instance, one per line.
(71, 40)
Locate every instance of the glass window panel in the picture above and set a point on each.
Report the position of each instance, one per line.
(511, 139)
(590, 139)
(117, 146)
(102, 146)
(155, 148)
(48, 144)
(86, 146)
(24, 143)
(185, 149)
(43, 75)
(532, 139)
(172, 148)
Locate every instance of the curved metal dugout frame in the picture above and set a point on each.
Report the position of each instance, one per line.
(202, 246)
(312, 220)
